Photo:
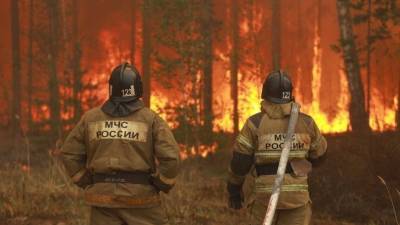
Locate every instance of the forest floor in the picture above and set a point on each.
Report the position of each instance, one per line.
(345, 189)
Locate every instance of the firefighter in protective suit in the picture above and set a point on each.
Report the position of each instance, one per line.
(258, 148)
(122, 154)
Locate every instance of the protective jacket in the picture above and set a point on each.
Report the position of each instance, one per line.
(114, 151)
(259, 145)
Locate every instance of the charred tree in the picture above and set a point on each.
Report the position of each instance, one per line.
(53, 83)
(146, 51)
(276, 34)
(178, 32)
(358, 115)
(234, 64)
(207, 31)
(369, 51)
(299, 40)
(398, 104)
(16, 67)
(76, 63)
(30, 62)
(133, 31)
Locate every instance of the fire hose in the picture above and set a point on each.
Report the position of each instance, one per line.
(276, 190)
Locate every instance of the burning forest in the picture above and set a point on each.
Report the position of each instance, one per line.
(81, 46)
(202, 64)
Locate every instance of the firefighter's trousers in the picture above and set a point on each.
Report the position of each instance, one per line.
(296, 216)
(128, 216)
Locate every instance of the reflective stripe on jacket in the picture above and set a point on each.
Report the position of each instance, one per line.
(262, 137)
(103, 144)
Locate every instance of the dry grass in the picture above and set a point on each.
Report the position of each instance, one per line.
(340, 195)
(43, 196)
(47, 197)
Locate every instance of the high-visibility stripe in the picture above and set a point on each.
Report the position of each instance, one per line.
(244, 141)
(277, 154)
(284, 188)
(166, 180)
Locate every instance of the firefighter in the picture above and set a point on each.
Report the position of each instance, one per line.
(122, 154)
(258, 148)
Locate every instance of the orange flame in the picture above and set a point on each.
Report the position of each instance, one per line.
(25, 168)
(248, 100)
(340, 123)
(382, 118)
(203, 151)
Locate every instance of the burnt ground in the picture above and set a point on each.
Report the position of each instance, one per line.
(345, 189)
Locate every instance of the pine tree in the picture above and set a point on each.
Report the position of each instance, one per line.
(276, 34)
(207, 32)
(53, 53)
(234, 63)
(358, 115)
(146, 51)
(133, 31)
(76, 63)
(16, 66)
(30, 62)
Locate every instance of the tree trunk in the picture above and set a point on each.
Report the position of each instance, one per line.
(30, 62)
(276, 34)
(299, 41)
(319, 19)
(16, 67)
(76, 62)
(133, 31)
(53, 84)
(299, 46)
(234, 64)
(207, 68)
(146, 52)
(369, 50)
(358, 115)
(398, 104)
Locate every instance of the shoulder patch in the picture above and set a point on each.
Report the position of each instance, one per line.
(256, 119)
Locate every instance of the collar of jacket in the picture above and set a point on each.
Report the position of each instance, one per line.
(276, 111)
(119, 109)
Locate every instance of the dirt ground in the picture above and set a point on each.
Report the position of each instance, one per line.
(345, 189)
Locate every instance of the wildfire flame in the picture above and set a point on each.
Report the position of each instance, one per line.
(340, 123)
(203, 151)
(382, 118)
(334, 120)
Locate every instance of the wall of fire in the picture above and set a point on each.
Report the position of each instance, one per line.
(308, 31)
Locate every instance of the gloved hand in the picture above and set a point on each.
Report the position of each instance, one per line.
(85, 180)
(159, 185)
(235, 195)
